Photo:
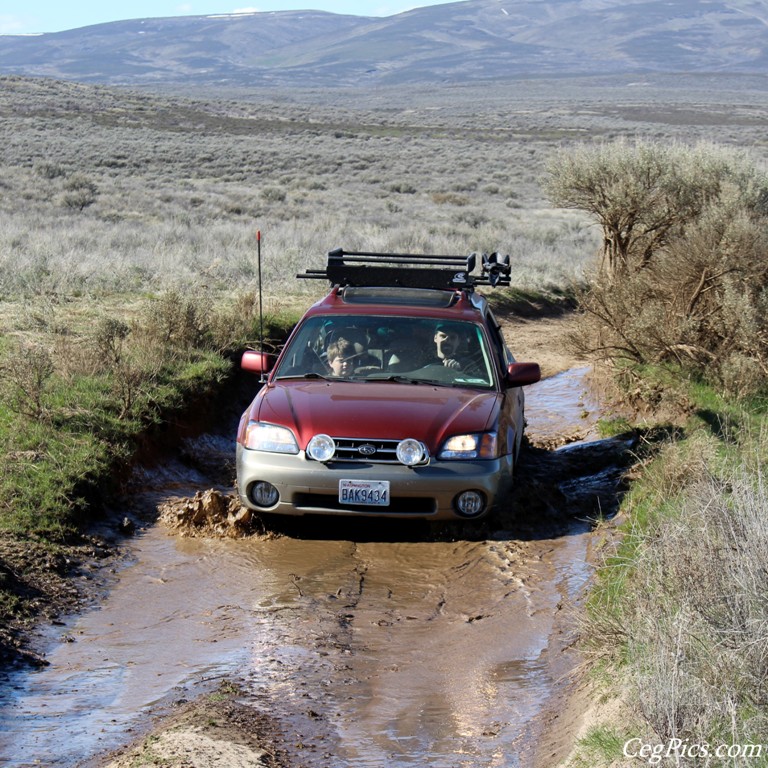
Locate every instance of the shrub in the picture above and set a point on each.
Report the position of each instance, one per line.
(50, 170)
(642, 194)
(175, 321)
(273, 195)
(110, 340)
(26, 374)
(683, 278)
(80, 193)
(403, 188)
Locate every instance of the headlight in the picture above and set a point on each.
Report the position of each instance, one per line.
(479, 445)
(321, 448)
(270, 437)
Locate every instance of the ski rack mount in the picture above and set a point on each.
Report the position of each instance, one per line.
(408, 270)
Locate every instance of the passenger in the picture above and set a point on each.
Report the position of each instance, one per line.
(358, 340)
(342, 357)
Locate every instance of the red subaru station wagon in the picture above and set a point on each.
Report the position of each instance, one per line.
(395, 396)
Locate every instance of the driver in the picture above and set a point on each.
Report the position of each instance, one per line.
(447, 343)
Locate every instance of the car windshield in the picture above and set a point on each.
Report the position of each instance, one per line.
(376, 348)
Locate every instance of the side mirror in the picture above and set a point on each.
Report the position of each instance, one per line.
(257, 362)
(520, 374)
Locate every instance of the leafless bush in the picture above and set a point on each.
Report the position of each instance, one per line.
(176, 322)
(235, 324)
(132, 355)
(684, 278)
(110, 338)
(132, 377)
(25, 374)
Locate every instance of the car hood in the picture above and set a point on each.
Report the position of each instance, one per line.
(384, 410)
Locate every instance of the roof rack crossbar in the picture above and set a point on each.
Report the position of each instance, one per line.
(366, 268)
(412, 258)
(422, 261)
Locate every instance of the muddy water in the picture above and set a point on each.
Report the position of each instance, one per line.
(372, 644)
(443, 652)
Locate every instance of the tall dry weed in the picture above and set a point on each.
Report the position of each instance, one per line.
(698, 630)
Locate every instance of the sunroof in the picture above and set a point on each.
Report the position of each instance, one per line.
(414, 297)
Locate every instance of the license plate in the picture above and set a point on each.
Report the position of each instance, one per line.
(374, 493)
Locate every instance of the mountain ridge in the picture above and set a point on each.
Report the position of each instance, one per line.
(456, 42)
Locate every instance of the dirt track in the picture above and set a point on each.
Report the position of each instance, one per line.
(351, 644)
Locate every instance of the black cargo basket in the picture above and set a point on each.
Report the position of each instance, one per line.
(409, 270)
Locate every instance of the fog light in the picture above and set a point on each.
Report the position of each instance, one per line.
(264, 494)
(321, 448)
(470, 503)
(410, 452)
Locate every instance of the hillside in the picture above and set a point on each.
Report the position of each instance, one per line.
(450, 43)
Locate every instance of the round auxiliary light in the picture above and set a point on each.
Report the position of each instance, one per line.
(264, 494)
(321, 448)
(470, 503)
(410, 452)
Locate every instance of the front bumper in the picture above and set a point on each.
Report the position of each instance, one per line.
(311, 487)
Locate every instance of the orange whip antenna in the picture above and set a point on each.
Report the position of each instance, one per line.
(261, 314)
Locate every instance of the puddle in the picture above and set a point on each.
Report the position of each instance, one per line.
(561, 406)
(171, 618)
(373, 651)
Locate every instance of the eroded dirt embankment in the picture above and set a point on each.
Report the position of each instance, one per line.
(345, 643)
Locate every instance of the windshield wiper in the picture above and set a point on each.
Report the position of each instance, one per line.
(308, 375)
(459, 384)
(399, 378)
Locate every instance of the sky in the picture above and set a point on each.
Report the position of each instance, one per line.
(36, 16)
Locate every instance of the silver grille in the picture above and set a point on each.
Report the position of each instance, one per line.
(361, 449)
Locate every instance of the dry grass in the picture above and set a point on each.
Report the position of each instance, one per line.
(680, 613)
(700, 632)
(105, 190)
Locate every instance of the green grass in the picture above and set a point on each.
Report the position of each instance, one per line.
(57, 465)
(611, 426)
(78, 395)
(600, 746)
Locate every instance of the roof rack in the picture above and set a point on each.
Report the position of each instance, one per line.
(411, 270)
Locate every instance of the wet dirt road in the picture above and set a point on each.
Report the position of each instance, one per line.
(370, 644)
